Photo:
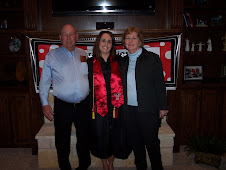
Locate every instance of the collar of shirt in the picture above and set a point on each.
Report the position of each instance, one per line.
(135, 55)
(103, 61)
(68, 52)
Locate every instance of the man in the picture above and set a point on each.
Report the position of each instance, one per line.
(66, 66)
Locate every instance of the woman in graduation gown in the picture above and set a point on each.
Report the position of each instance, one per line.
(106, 93)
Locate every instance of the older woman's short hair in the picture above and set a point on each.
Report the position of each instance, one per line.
(131, 29)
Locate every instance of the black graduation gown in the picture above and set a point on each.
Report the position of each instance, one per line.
(107, 134)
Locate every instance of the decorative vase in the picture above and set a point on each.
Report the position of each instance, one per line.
(206, 158)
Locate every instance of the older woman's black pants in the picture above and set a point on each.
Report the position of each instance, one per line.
(138, 139)
(64, 115)
(153, 153)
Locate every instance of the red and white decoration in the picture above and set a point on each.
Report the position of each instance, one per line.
(167, 48)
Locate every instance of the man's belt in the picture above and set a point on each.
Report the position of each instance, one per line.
(66, 103)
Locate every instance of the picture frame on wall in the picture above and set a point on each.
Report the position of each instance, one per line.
(193, 72)
(223, 70)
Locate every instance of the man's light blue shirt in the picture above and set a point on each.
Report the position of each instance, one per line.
(68, 73)
(131, 79)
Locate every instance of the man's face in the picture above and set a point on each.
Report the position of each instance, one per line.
(68, 37)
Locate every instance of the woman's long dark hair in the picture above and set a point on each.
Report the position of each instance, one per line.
(96, 50)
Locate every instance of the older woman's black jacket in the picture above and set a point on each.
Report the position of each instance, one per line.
(150, 85)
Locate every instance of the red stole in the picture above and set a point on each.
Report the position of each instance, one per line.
(100, 92)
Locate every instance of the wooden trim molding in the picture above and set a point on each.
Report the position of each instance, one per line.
(94, 33)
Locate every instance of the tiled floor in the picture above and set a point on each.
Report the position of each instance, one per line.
(22, 159)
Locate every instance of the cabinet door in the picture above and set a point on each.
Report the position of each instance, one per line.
(190, 100)
(6, 131)
(37, 115)
(211, 111)
(223, 120)
(21, 120)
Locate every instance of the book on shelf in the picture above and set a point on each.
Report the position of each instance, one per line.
(188, 20)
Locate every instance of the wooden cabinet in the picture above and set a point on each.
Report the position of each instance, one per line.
(201, 111)
(15, 127)
(198, 107)
(6, 130)
(190, 113)
(211, 111)
(20, 113)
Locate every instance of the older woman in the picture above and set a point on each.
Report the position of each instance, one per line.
(107, 98)
(145, 95)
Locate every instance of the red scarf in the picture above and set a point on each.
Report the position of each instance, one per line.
(100, 92)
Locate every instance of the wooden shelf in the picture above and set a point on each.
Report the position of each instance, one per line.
(14, 10)
(204, 9)
(204, 53)
(219, 82)
(13, 31)
(208, 28)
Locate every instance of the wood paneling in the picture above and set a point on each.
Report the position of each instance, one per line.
(174, 117)
(30, 14)
(190, 113)
(5, 121)
(210, 113)
(201, 112)
(15, 119)
(223, 118)
(21, 125)
(176, 9)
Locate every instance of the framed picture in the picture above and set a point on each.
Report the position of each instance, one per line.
(193, 73)
(223, 70)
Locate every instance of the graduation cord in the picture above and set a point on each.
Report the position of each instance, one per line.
(114, 112)
(93, 114)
